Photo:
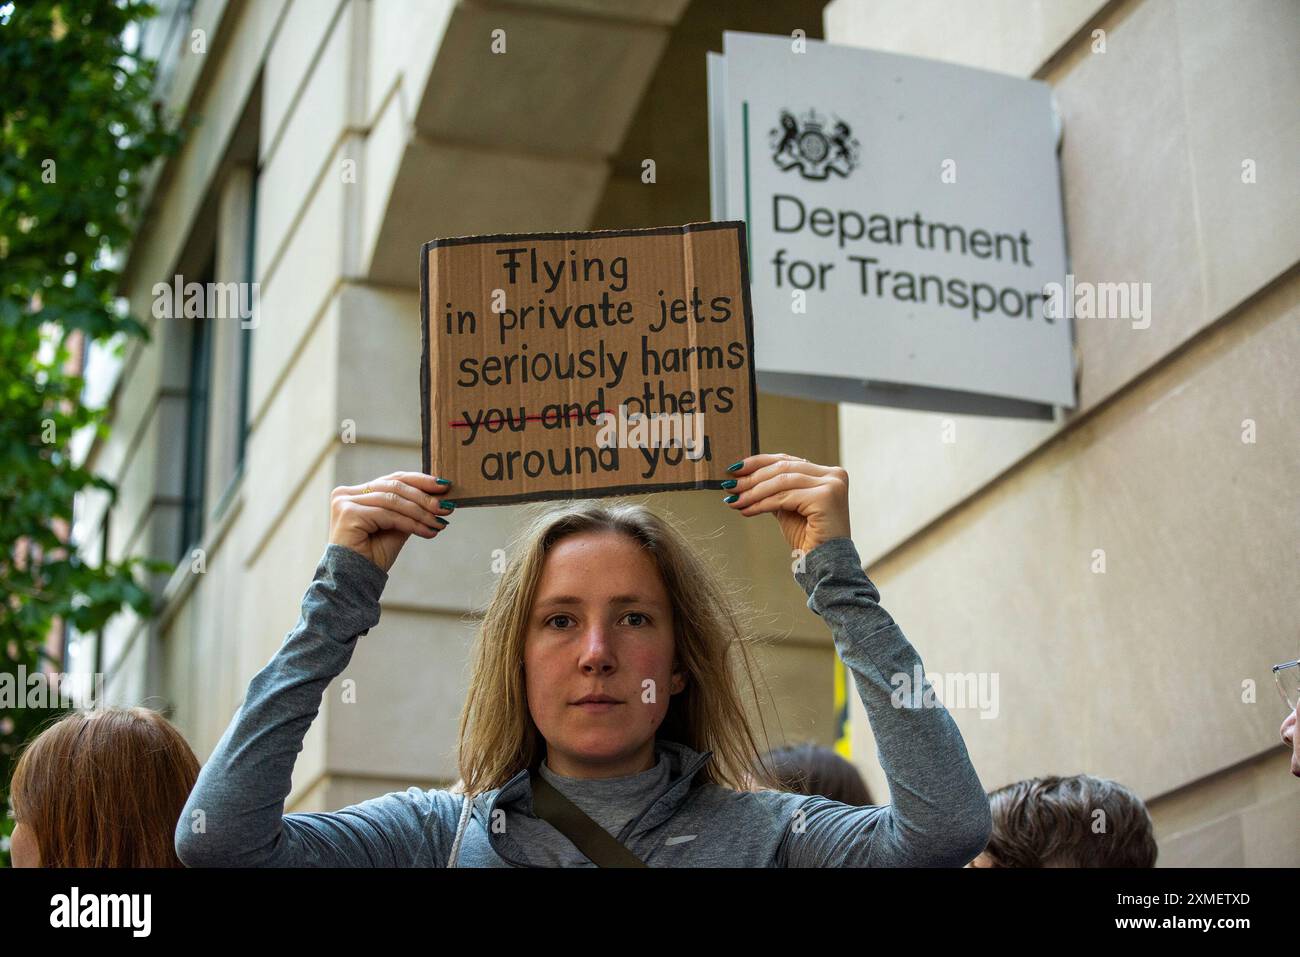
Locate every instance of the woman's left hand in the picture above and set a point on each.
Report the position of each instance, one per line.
(811, 502)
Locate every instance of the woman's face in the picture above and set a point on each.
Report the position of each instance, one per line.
(601, 624)
(1291, 736)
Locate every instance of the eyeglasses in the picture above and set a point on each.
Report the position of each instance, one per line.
(1287, 678)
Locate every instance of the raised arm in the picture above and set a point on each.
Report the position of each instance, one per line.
(939, 813)
(235, 814)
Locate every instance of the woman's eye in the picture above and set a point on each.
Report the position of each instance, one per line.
(643, 619)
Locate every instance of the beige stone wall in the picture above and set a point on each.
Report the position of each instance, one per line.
(1242, 817)
(985, 548)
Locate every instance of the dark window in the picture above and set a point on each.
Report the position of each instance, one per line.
(246, 335)
(196, 426)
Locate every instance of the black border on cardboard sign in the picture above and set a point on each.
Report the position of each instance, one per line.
(426, 414)
(426, 452)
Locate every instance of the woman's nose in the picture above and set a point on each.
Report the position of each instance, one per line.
(597, 655)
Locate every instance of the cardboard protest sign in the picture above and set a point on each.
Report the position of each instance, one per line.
(569, 365)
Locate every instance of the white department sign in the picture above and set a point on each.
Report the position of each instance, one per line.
(915, 208)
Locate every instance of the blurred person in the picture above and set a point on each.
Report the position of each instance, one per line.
(101, 788)
(1076, 821)
(812, 769)
(604, 723)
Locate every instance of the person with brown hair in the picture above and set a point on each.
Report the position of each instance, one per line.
(1076, 821)
(812, 769)
(606, 720)
(101, 788)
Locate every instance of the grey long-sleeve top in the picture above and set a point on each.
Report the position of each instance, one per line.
(939, 815)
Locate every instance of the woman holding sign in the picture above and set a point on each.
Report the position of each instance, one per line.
(604, 724)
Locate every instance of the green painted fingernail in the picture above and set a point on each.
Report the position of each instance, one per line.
(732, 468)
(731, 498)
(448, 504)
(439, 518)
(729, 483)
(443, 481)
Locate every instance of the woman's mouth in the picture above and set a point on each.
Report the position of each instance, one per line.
(596, 703)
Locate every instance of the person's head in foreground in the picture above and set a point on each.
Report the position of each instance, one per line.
(812, 769)
(101, 788)
(606, 631)
(1076, 821)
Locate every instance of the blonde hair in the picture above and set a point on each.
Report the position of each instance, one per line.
(497, 735)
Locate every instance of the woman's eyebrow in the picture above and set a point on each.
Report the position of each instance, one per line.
(615, 600)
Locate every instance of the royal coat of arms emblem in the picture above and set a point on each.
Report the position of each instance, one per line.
(813, 146)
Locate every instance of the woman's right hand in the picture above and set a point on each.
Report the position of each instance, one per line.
(376, 519)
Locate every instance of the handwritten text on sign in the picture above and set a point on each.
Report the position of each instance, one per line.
(587, 363)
